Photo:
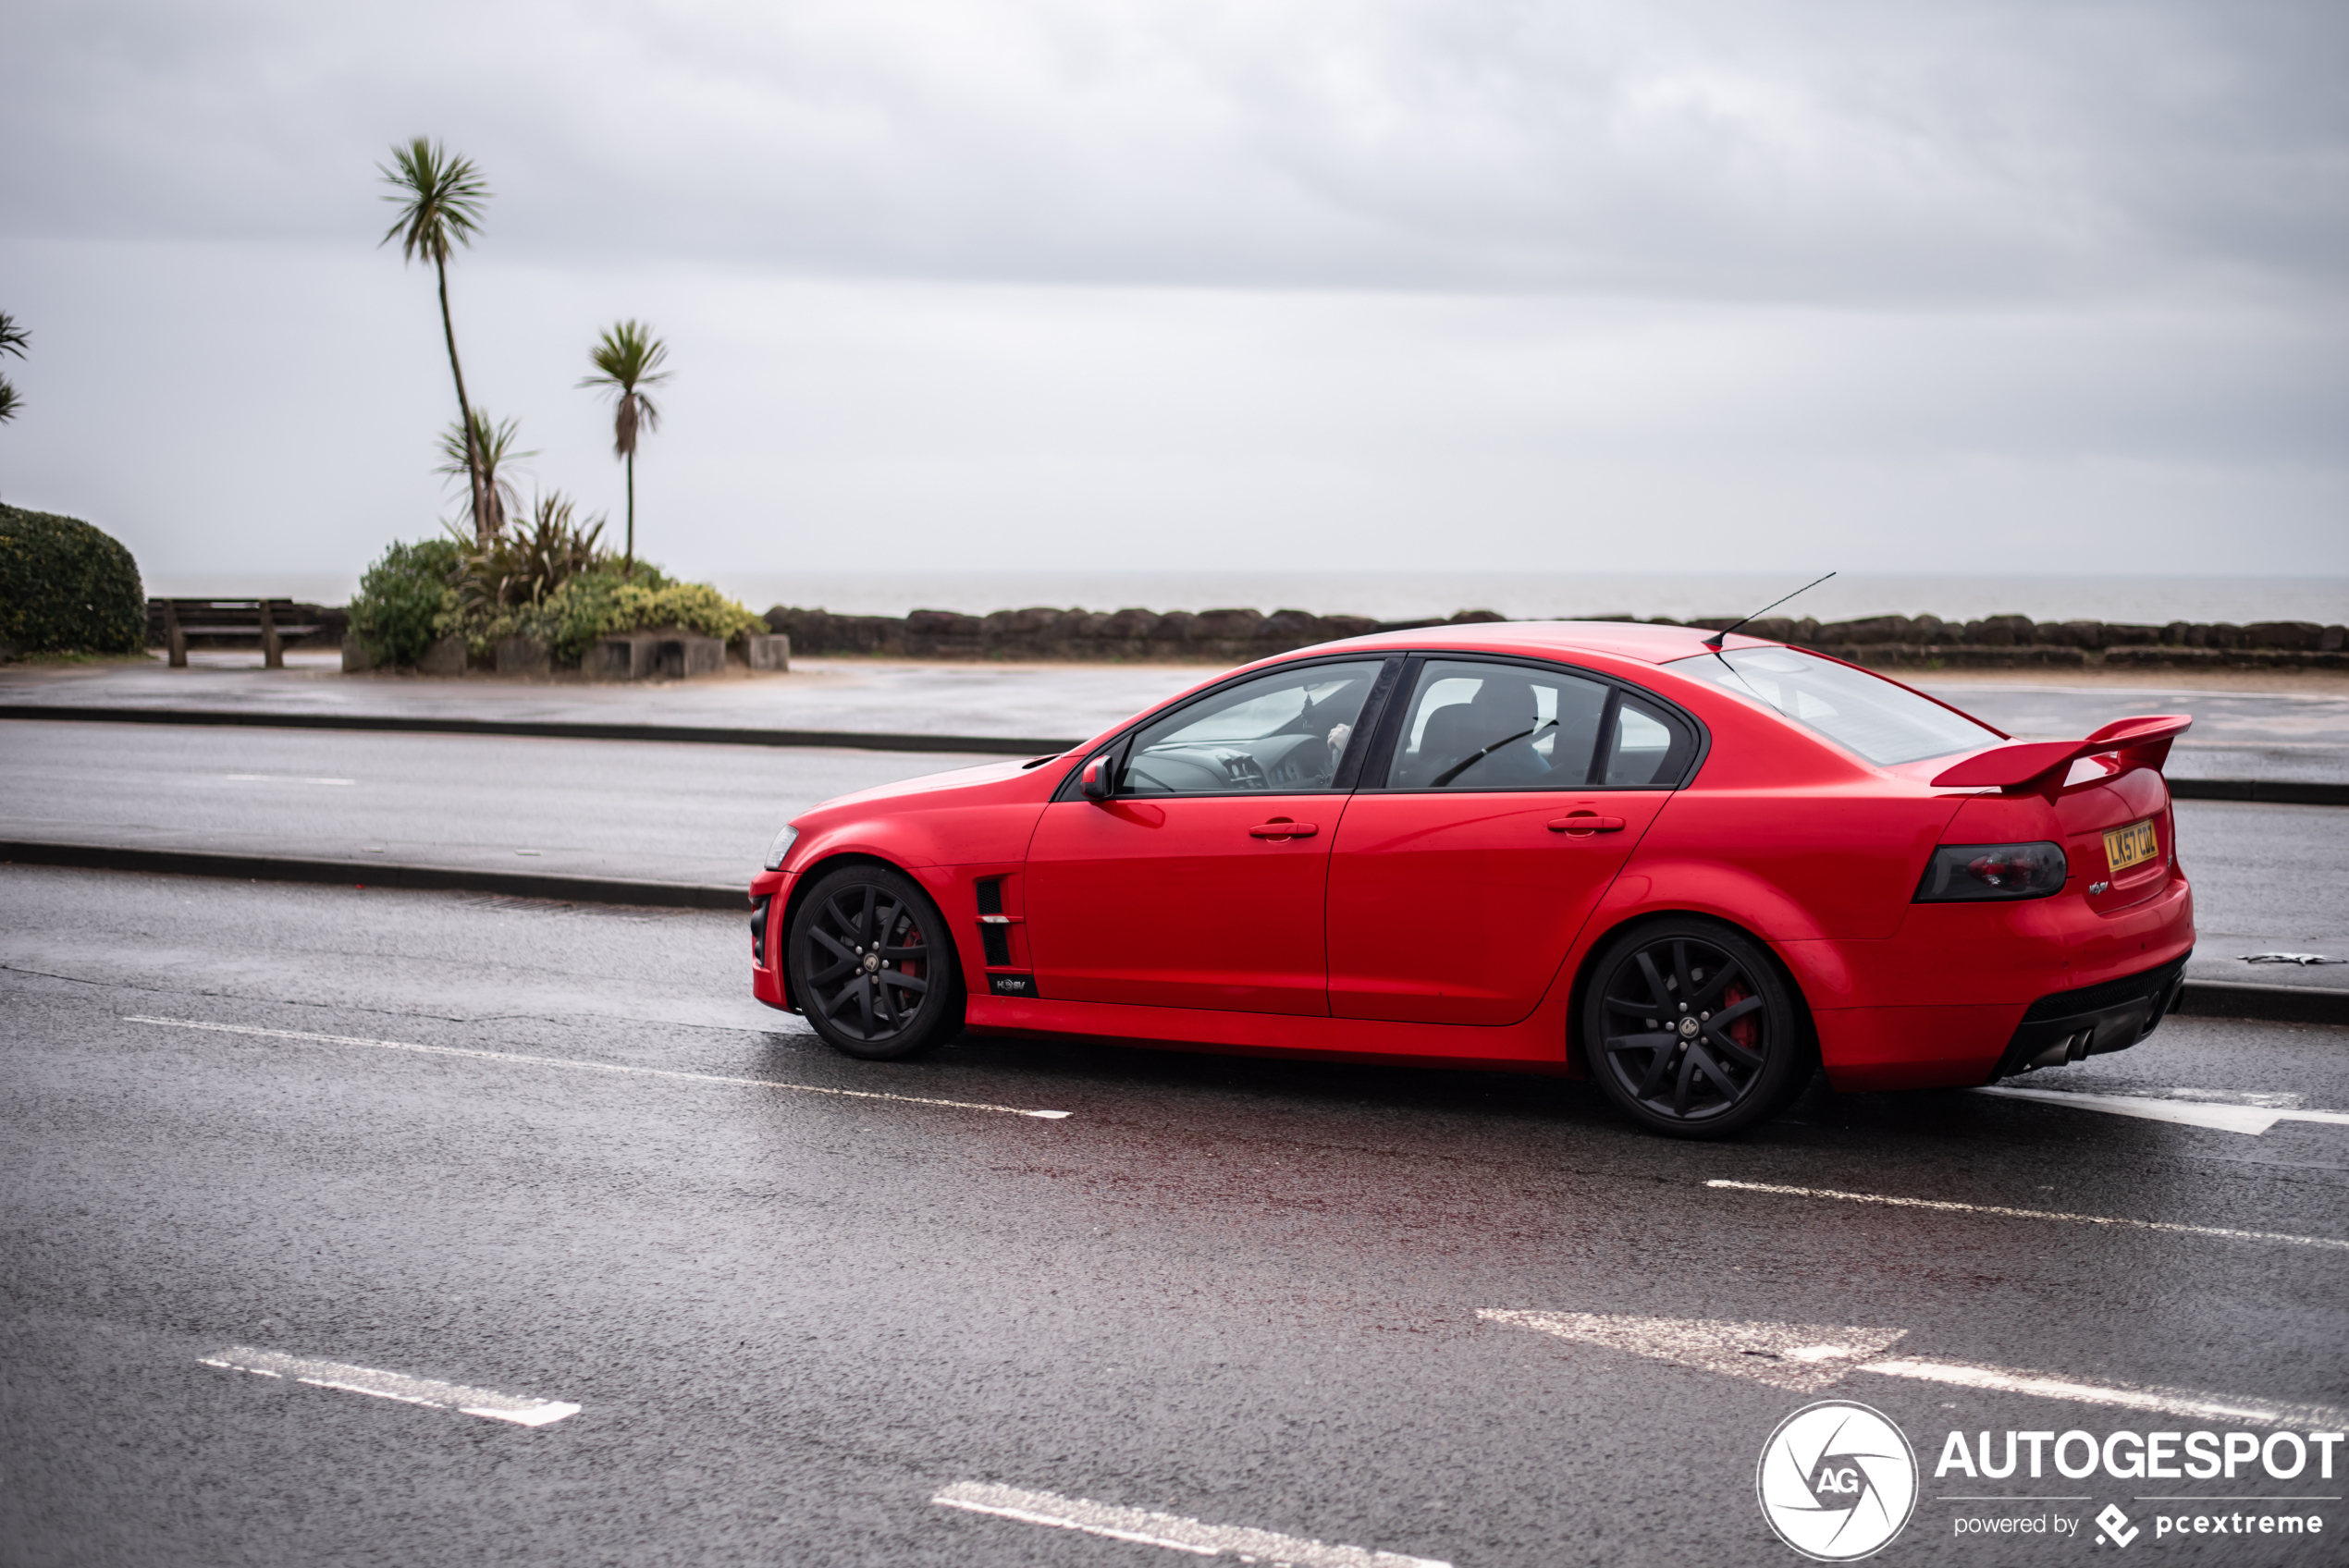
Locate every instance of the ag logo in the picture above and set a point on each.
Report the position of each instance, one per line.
(1836, 1481)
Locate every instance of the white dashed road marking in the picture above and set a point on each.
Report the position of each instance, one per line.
(2253, 1119)
(1809, 1357)
(392, 1385)
(1170, 1530)
(1943, 1206)
(584, 1066)
(280, 779)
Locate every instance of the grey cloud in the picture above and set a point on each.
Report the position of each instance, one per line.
(1801, 149)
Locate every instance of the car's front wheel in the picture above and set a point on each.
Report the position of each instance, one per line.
(871, 966)
(1689, 1027)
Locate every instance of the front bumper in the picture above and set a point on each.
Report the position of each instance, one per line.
(769, 898)
(2068, 1026)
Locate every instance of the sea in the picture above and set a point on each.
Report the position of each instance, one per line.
(1519, 594)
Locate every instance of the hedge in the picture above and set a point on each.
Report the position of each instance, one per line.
(66, 586)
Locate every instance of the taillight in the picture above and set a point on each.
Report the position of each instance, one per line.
(1989, 873)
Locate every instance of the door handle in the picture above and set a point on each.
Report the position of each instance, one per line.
(1282, 830)
(1586, 822)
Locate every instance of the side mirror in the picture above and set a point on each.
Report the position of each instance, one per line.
(1098, 779)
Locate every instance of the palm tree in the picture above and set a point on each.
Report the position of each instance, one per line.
(628, 361)
(12, 341)
(440, 200)
(490, 447)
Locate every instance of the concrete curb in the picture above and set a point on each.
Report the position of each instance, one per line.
(2270, 1004)
(377, 873)
(706, 735)
(2200, 999)
(2274, 791)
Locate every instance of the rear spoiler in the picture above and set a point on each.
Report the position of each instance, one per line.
(2142, 742)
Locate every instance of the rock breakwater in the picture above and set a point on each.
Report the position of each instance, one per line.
(1236, 636)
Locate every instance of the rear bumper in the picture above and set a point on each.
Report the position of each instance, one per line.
(1959, 993)
(2070, 1026)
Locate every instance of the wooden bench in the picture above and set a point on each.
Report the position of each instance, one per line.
(268, 623)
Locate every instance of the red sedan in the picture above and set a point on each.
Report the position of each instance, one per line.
(1693, 873)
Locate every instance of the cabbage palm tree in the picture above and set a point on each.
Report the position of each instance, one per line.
(627, 360)
(12, 341)
(440, 198)
(490, 448)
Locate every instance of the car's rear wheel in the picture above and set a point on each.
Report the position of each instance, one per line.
(1689, 1027)
(871, 966)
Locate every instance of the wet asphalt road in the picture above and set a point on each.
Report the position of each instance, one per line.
(1245, 1292)
(589, 808)
(2267, 878)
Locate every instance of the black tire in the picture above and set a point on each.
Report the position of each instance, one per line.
(871, 966)
(1689, 1027)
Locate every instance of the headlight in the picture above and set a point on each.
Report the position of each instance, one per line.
(1986, 872)
(784, 838)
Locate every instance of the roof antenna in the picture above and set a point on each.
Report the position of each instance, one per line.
(1714, 642)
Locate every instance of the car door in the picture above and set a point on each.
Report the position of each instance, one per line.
(1199, 883)
(1508, 796)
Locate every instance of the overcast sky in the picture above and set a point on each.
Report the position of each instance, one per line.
(1131, 284)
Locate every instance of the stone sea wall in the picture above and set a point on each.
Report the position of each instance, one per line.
(1229, 637)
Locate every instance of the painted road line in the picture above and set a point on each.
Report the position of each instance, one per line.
(585, 1066)
(2253, 1119)
(1943, 1206)
(392, 1385)
(1809, 1357)
(1799, 1358)
(2156, 1401)
(1170, 1530)
(280, 779)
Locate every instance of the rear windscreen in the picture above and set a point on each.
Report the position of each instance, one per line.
(1883, 722)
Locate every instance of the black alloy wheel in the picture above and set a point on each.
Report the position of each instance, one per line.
(1689, 1027)
(871, 966)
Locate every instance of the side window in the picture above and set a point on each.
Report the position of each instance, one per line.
(1474, 725)
(1282, 732)
(1647, 746)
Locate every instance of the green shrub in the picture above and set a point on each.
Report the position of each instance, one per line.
(551, 584)
(521, 566)
(596, 604)
(406, 601)
(66, 586)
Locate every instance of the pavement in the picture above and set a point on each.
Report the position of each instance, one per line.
(1069, 701)
(2239, 733)
(718, 1295)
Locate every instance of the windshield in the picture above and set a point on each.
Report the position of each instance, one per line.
(1859, 712)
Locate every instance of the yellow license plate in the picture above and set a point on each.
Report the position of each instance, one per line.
(2133, 845)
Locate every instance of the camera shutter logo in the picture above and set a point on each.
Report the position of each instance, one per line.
(1836, 1481)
